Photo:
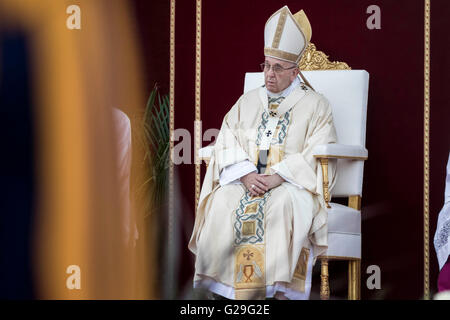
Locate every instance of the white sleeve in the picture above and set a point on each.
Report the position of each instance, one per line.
(232, 173)
(279, 168)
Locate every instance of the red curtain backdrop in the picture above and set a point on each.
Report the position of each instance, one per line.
(392, 202)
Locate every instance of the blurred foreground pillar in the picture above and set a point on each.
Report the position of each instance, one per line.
(79, 76)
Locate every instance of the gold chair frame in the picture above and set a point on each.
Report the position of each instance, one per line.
(317, 60)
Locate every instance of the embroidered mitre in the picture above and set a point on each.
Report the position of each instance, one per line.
(286, 36)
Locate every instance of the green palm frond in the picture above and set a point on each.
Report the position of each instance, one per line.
(154, 138)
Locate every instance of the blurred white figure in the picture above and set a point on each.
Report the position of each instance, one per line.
(122, 128)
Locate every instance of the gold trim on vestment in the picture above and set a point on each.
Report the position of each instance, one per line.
(301, 270)
(255, 162)
(277, 151)
(249, 228)
(250, 272)
(251, 208)
(276, 154)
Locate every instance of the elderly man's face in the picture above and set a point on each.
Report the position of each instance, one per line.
(278, 81)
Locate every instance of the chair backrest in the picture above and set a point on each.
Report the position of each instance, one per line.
(347, 92)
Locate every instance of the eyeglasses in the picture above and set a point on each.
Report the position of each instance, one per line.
(276, 68)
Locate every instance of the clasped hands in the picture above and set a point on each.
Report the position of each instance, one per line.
(258, 184)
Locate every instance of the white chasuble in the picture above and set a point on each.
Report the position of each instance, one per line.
(251, 247)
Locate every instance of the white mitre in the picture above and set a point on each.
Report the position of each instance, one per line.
(286, 36)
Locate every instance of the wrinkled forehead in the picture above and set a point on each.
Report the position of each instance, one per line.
(274, 61)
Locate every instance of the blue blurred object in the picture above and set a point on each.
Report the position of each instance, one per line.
(17, 168)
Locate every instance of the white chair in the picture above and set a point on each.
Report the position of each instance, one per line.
(347, 92)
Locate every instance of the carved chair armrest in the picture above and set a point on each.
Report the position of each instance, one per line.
(336, 151)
